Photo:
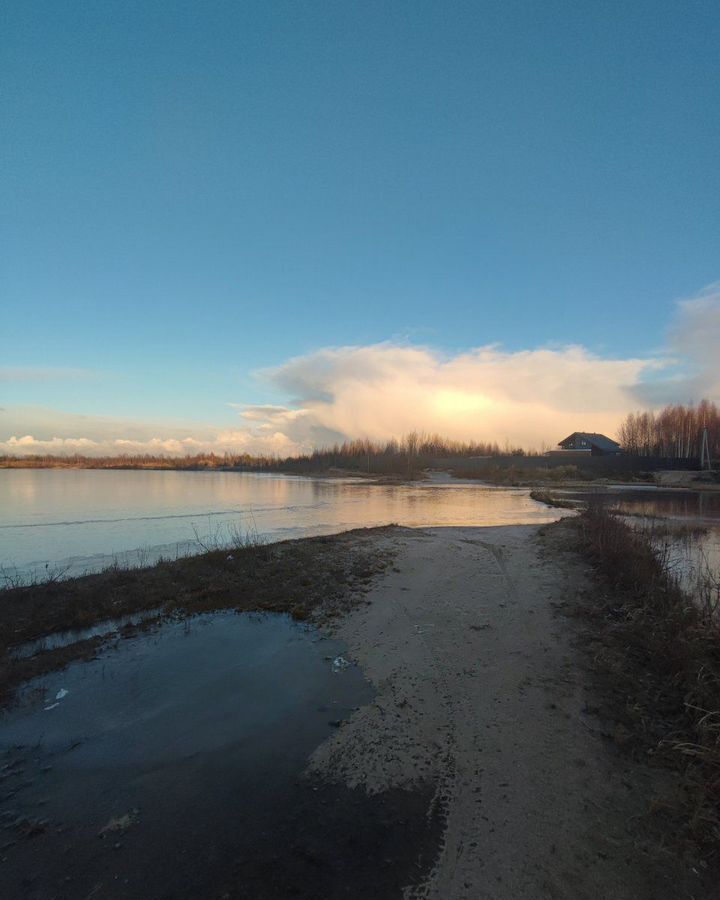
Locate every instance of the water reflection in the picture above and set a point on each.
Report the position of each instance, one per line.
(191, 732)
(684, 527)
(81, 520)
(690, 554)
(651, 502)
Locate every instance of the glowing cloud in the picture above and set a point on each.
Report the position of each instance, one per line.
(528, 397)
(385, 390)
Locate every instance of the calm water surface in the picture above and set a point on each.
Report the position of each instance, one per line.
(651, 502)
(73, 521)
(197, 732)
(683, 525)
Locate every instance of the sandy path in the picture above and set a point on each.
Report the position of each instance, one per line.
(480, 693)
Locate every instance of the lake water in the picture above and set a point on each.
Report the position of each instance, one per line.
(73, 521)
(684, 527)
(651, 502)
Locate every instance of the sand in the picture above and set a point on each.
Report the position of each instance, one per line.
(481, 692)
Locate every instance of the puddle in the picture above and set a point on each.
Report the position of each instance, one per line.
(192, 733)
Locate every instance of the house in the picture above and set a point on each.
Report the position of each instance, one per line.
(588, 442)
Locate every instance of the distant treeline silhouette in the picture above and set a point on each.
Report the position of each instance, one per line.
(404, 456)
(675, 432)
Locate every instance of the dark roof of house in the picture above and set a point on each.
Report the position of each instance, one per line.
(596, 440)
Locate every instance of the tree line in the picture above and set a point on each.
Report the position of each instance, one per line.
(396, 456)
(675, 432)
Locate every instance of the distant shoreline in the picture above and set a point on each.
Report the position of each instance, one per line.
(504, 471)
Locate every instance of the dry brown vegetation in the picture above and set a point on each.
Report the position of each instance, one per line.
(657, 658)
(300, 577)
(516, 476)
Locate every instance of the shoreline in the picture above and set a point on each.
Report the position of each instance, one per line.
(305, 577)
(428, 476)
(486, 723)
(670, 481)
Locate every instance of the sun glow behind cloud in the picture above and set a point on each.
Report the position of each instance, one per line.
(528, 397)
(460, 403)
(385, 390)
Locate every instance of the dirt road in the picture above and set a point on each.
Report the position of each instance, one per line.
(481, 693)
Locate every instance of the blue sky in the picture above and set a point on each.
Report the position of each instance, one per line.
(195, 191)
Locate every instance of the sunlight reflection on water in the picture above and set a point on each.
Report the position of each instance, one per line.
(78, 521)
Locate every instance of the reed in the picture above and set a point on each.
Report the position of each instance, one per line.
(658, 653)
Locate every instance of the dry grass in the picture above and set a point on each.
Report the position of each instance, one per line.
(517, 476)
(657, 655)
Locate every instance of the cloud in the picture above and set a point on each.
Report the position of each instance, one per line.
(379, 391)
(696, 336)
(528, 397)
(693, 342)
(34, 430)
(384, 390)
(230, 441)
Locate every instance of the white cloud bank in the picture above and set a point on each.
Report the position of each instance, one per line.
(39, 431)
(527, 397)
(530, 397)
